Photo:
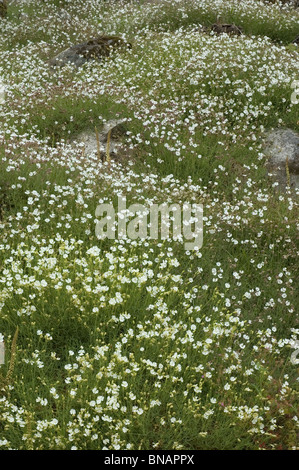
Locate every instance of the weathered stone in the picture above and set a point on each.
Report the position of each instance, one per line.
(93, 50)
(226, 28)
(117, 128)
(282, 150)
(94, 143)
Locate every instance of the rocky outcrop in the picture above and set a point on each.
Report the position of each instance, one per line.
(97, 142)
(282, 150)
(95, 49)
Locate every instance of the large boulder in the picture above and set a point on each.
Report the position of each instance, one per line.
(282, 150)
(97, 142)
(95, 49)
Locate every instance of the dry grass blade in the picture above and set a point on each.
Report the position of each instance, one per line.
(108, 146)
(288, 173)
(98, 143)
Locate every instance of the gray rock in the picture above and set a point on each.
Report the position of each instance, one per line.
(226, 28)
(93, 50)
(96, 143)
(117, 128)
(69, 56)
(282, 150)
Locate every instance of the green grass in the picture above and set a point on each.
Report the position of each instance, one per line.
(274, 26)
(142, 344)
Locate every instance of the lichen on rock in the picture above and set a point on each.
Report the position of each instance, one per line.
(95, 49)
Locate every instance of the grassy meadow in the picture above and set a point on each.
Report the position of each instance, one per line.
(139, 343)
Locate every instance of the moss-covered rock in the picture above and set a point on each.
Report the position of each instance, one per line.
(94, 49)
